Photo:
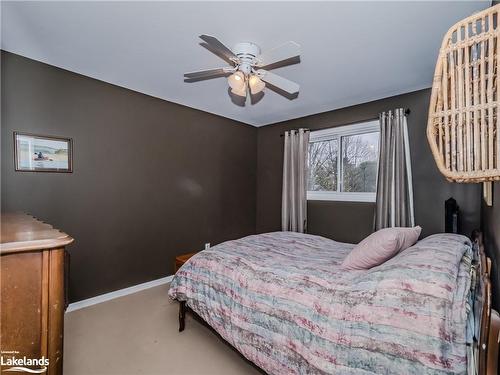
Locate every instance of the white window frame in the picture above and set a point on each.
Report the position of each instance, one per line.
(337, 133)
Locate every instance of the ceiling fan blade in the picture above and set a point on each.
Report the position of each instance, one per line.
(278, 81)
(217, 45)
(286, 51)
(208, 73)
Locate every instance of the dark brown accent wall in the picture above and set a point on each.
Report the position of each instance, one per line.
(351, 222)
(151, 179)
(491, 229)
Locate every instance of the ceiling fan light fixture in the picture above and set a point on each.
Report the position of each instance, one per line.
(240, 91)
(249, 68)
(256, 84)
(236, 81)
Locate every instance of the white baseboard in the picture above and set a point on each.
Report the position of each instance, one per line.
(118, 293)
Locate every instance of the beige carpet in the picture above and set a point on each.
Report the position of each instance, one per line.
(138, 334)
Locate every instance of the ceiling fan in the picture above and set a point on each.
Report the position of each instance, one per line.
(247, 71)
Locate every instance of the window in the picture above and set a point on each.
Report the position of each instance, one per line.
(343, 163)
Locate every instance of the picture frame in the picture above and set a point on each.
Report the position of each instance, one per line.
(41, 153)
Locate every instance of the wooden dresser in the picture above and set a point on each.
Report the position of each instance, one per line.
(32, 258)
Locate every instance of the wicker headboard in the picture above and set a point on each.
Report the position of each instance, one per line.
(487, 339)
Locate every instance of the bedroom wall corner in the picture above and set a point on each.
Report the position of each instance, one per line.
(151, 179)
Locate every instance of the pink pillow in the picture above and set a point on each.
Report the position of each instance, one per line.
(380, 246)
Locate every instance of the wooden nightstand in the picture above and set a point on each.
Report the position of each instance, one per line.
(181, 259)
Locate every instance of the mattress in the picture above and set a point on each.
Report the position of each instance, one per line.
(283, 301)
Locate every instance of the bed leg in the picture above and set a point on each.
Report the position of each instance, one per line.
(182, 315)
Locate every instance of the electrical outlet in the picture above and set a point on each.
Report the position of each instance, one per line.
(207, 245)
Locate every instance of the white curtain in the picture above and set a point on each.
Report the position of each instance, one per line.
(294, 200)
(394, 185)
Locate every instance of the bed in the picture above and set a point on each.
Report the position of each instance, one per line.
(283, 301)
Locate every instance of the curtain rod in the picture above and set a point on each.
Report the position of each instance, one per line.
(407, 113)
(295, 130)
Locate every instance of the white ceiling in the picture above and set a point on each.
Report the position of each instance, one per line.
(352, 52)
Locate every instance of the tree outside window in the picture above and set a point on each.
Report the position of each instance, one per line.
(344, 162)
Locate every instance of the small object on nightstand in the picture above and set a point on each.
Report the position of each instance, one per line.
(181, 259)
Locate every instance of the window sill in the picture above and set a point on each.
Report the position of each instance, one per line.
(344, 197)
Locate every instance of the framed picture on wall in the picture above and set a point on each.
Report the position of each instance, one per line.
(39, 153)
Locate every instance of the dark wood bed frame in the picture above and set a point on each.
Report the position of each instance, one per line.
(488, 343)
